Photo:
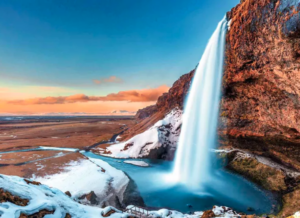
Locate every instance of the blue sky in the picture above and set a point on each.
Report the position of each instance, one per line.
(68, 43)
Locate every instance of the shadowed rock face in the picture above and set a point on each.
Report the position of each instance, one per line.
(260, 105)
(168, 101)
(148, 116)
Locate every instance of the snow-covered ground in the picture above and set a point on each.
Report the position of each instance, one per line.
(137, 163)
(165, 213)
(164, 133)
(43, 197)
(86, 175)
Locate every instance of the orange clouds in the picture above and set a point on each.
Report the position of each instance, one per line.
(111, 79)
(143, 95)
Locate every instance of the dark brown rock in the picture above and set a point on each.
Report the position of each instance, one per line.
(32, 182)
(68, 193)
(208, 214)
(39, 214)
(6, 196)
(68, 216)
(91, 197)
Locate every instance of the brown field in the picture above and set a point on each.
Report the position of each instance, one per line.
(39, 167)
(72, 133)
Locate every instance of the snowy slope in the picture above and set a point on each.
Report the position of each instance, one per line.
(164, 133)
(42, 197)
(82, 177)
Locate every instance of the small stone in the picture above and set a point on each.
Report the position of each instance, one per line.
(68, 193)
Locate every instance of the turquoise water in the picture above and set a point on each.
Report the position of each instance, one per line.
(227, 190)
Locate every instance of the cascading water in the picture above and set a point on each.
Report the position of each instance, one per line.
(193, 161)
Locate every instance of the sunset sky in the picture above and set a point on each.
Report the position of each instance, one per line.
(98, 56)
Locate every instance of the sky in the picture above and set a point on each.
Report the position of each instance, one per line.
(99, 56)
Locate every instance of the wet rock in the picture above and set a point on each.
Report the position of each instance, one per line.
(268, 177)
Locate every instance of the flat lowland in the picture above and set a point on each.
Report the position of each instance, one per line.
(68, 132)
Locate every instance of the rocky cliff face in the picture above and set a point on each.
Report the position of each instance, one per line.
(260, 105)
(148, 116)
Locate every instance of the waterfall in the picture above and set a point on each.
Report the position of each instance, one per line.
(193, 160)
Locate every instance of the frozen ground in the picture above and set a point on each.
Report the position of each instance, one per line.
(86, 175)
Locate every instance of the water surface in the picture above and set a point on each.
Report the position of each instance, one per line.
(226, 189)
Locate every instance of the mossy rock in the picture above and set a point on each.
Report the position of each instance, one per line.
(263, 175)
(291, 203)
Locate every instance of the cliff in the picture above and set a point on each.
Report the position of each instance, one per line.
(260, 104)
(148, 116)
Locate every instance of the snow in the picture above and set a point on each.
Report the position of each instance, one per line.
(58, 149)
(296, 215)
(164, 213)
(229, 24)
(43, 197)
(163, 133)
(137, 163)
(86, 175)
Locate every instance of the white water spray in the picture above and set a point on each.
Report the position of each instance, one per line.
(198, 135)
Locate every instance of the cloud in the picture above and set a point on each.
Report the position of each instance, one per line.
(111, 79)
(142, 95)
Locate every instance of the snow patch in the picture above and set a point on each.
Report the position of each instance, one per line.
(76, 178)
(164, 133)
(137, 163)
(58, 149)
(229, 24)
